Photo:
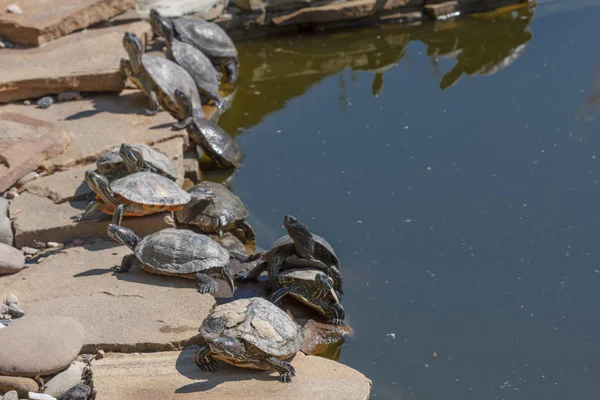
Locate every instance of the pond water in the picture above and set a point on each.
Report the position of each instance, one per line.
(455, 168)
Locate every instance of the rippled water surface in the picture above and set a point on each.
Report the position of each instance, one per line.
(455, 168)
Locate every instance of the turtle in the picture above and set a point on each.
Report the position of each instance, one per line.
(224, 212)
(207, 37)
(138, 157)
(250, 333)
(143, 193)
(174, 252)
(212, 139)
(313, 288)
(194, 62)
(299, 248)
(158, 78)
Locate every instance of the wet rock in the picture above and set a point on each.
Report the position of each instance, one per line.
(11, 260)
(128, 308)
(347, 10)
(21, 385)
(437, 10)
(15, 311)
(61, 383)
(44, 21)
(11, 395)
(321, 337)
(163, 374)
(25, 142)
(39, 345)
(28, 178)
(68, 96)
(84, 61)
(78, 392)
(45, 102)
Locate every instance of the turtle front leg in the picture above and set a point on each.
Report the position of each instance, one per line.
(187, 122)
(153, 109)
(205, 361)
(274, 266)
(206, 284)
(253, 273)
(128, 261)
(285, 369)
(247, 229)
(91, 208)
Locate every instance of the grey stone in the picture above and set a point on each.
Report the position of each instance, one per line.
(68, 96)
(21, 385)
(11, 259)
(11, 195)
(12, 299)
(6, 233)
(3, 308)
(15, 311)
(3, 207)
(61, 383)
(40, 396)
(28, 178)
(29, 251)
(45, 102)
(12, 395)
(78, 392)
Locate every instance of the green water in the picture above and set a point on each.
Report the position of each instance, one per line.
(454, 167)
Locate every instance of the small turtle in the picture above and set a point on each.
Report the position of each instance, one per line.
(224, 212)
(206, 36)
(313, 288)
(250, 333)
(174, 252)
(143, 193)
(194, 62)
(139, 157)
(158, 78)
(299, 248)
(212, 140)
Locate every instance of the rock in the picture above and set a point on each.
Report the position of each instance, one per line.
(130, 310)
(27, 102)
(53, 245)
(14, 9)
(78, 392)
(320, 337)
(78, 242)
(39, 345)
(21, 385)
(42, 220)
(3, 309)
(347, 10)
(191, 166)
(15, 311)
(45, 102)
(437, 10)
(11, 260)
(6, 233)
(68, 96)
(100, 354)
(25, 142)
(62, 186)
(11, 195)
(174, 375)
(85, 61)
(177, 8)
(3, 207)
(28, 178)
(61, 383)
(44, 21)
(29, 251)
(12, 299)
(11, 395)
(272, 5)
(40, 396)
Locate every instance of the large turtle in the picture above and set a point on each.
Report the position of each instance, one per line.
(299, 248)
(158, 78)
(206, 36)
(174, 252)
(212, 139)
(313, 288)
(194, 62)
(223, 213)
(143, 193)
(250, 333)
(129, 158)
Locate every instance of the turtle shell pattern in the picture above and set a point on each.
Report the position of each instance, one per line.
(177, 252)
(286, 240)
(197, 65)
(216, 141)
(150, 189)
(208, 37)
(299, 274)
(111, 163)
(258, 322)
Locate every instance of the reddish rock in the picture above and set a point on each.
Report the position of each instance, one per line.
(26, 142)
(41, 21)
(347, 10)
(323, 338)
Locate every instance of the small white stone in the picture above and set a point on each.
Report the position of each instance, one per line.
(40, 396)
(27, 178)
(13, 8)
(53, 245)
(11, 299)
(12, 395)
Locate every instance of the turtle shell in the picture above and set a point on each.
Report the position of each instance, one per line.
(177, 252)
(258, 322)
(206, 215)
(197, 65)
(299, 274)
(150, 189)
(286, 241)
(168, 77)
(111, 163)
(218, 145)
(208, 37)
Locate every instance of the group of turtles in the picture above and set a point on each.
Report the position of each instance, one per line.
(136, 180)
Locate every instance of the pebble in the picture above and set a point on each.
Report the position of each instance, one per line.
(27, 102)
(22, 385)
(12, 395)
(11, 259)
(53, 245)
(78, 392)
(15, 9)
(45, 102)
(11, 299)
(3, 308)
(68, 96)
(11, 195)
(40, 396)
(63, 382)
(28, 178)
(15, 311)
(29, 251)
(78, 242)
(100, 354)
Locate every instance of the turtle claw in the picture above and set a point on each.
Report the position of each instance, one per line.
(149, 112)
(213, 366)
(207, 289)
(286, 377)
(337, 321)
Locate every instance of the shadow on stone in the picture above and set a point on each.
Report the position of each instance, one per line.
(129, 103)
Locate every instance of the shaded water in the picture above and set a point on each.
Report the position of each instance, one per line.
(455, 169)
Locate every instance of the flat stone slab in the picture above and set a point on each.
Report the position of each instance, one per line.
(135, 311)
(100, 123)
(346, 10)
(25, 142)
(84, 61)
(45, 20)
(38, 218)
(173, 375)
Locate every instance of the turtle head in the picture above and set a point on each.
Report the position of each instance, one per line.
(229, 348)
(155, 20)
(164, 28)
(133, 46)
(184, 102)
(99, 185)
(123, 235)
(327, 283)
(300, 234)
(132, 156)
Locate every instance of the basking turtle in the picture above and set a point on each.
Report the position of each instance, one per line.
(224, 212)
(174, 252)
(142, 192)
(212, 140)
(158, 78)
(138, 157)
(194, 62)
(313, 288)
(299, 248)
(206, 36)
(250, 333)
